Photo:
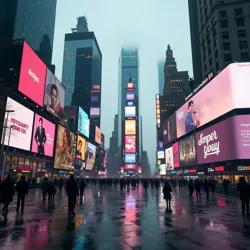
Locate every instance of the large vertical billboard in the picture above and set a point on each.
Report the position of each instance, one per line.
(130, 144)
(20, 121)
(130, 127)
(83, 122)
(209, 104)
(176, 156)
(32, 75)
(90, 156)
(224, 141)
(54, 95)
(98, 135)
(169, 129)
(169, 159)
(80, 148)
(64, 149)
(187, 151)
(43, 136)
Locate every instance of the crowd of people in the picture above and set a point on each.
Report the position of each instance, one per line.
(75, 187)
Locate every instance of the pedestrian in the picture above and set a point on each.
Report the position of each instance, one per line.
(145, 184)
(7, 193)
(212, 185)
(206, 188)
(157, 184)
(22, 189)
(225, 186)
(191, 188)
(197, 186)
(60, 185)
(82, 186)
(72, 191)
(45, 186)
(244, 188)
(167, 189)
(51, 191)
(180, 183)
(122, 183)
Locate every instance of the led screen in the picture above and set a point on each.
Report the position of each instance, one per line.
(130, 128)
(130, 95)
(169, 129)
(169, 159)
(176, 156)
(130, 144)
(43, 136)
(83, 122)
(20, 122)
(32, 75)
(64, 149)
(160, 146)
(130, 166)
(130, 158)
(90, 155)
(94, 111)
(187, 151)
(130, 111)
(162, 169)
(98, 135)
(80, 148)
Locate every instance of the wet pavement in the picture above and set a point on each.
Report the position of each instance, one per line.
(109, 219)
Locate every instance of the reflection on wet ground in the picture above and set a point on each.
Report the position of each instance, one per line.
(133, 219)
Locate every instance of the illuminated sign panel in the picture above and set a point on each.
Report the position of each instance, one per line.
(130, 127)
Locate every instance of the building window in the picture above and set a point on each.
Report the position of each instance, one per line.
(216, 53)
(223, 13)
(227, 57)
(240, 22)
(226, 46)
(244, 57)
(210, 61)
(238, 12)
(241, 33)
(224, 24)
(217, 66)
(225, 35)
(243, 45)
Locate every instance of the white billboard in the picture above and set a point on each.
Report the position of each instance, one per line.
(130, 111)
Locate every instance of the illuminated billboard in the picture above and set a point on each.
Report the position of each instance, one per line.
(80, 148)
(169, 159)
(130, 166)
(130, 95)
(187, 151)
(94, 111)
(98, 135)
(130, 144)
(158, 118)
(130, 111)
(90, 156)
(130, 127)
(83, 122)
(130, 158)
(130, 85)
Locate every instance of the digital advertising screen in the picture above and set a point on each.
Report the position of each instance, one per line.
(130, 127)
(130, 166)
(98, 135)
(169, 159)
(21, 123)
(102, 140)
(54, 95)
(94, 98)
(187, 151)
(160, 154)
(94, 111)
(162, 169)
(130, 95)
(130, 158)
(130, 111)
(32, 75)
(169, 129)
(130, 144)
(160, 146)
(90, 156)
(43, 136)
(176, 156)
(207, 104)
(226, 140)
(130, 103)
(83, 122)
(80, 148)
(64, 149)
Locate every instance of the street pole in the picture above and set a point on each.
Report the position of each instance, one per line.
(4, 164)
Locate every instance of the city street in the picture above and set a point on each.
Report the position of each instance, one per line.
(109, 219)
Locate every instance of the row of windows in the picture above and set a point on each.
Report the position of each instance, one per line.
(240, 33)
(240, 22)
(242, 45)
(237, 12)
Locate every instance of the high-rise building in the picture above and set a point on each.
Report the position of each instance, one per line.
(129, 131)
(221, 31)
(82, 71)
(32, 21)
(161, 76)
(176, 86)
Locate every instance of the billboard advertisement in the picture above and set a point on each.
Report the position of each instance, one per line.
(162, 169)
(64, 149)
(187, 151)
(43, 136)
(98, 135)
(130, 144)
(21, 122)
(94, 98)
(130, 95)
(102, 140)
(207, 104)
(160, 146)
(226, 140)
(160, 154)
(130, 111)
(83, 122)
(169, 129)
(169, 159)
(94, 111)
(176, 156)
(90, 155)
(54, 95)
(130, 158)
(130, 128)
(80, 148)
(32, 75)
(130, 166)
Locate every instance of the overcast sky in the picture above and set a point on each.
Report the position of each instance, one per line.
(148, 24)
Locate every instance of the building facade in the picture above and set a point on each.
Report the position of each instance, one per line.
(32, 21)
(161, 76)
(222, 35)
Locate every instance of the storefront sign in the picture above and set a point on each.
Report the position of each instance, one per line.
(191, 171)
(185, 171)
(219, 169)
(210, 170)
(24, 169)
(200, 173)
(243, 168)
(173, 172)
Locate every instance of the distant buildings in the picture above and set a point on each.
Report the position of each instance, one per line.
(161, 76)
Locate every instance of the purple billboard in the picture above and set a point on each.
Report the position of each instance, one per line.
(130, 95)
(227, 140)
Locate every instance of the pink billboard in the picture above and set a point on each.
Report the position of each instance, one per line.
(32, 75)
(43, 136)
(223, 94)
(176, 157)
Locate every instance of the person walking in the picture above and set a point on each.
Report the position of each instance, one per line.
(145, 184)
(167, 189)
(212, 185)
(51, 191)
(22, 189)
(45, 186)
(244, 188)
(225, 186)
(60, 185)
(191, 188)
(206, 188)
(82, 186)
(157, 184)
(7, 193)
(72, 191)
(197, 186)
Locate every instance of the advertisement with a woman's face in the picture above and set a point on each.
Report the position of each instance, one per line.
(90, 156)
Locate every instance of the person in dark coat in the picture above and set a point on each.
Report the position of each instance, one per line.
(167, 189)
(212, 185)
(191, 188)
(157, 184)
(60, 185)
(225, 186)
(72, 191)
(82, 186)
(45, 187)
(244, 188)
(145, 184)
(7, 193)
(206, 188)
(51, 191)
(197, 186)
(122, 183)
(22, 189)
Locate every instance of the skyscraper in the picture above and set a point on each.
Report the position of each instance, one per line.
(82, 70)
(221, 31)
(129, 110)
(32, 21)
(161, 64)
